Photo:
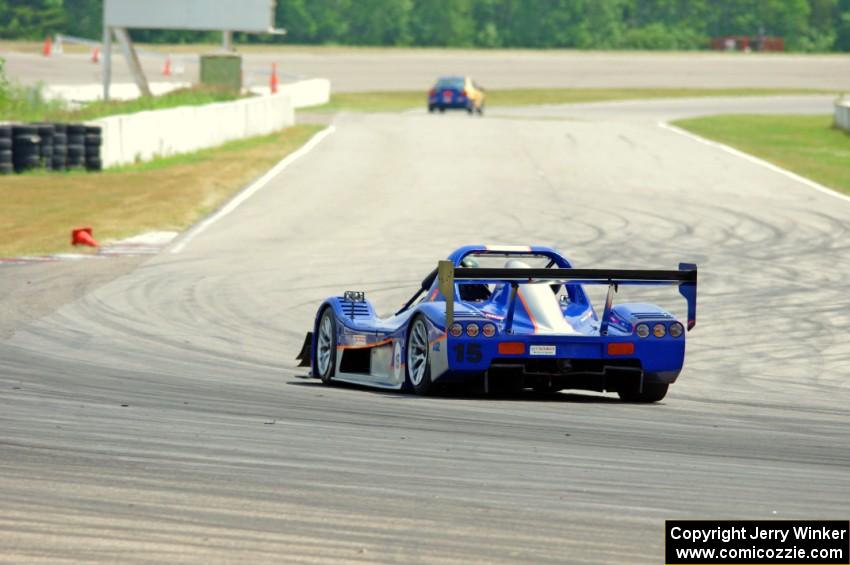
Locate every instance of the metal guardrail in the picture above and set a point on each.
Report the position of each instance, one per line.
(842, 113)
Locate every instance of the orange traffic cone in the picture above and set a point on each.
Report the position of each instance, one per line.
(166, 68)
(82, 236)
(273, 79)
(48, 47)
(95, 55)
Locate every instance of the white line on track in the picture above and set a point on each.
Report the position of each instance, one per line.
(249, 191)
(731, 150)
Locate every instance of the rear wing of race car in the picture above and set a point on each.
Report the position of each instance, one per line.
(685, 278)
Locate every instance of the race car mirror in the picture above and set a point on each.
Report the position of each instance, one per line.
(354, 296)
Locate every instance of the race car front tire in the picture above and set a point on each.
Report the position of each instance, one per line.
(326, 347)
(417, 369)
(652, 392)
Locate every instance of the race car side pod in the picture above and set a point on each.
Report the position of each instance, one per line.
(685, 278)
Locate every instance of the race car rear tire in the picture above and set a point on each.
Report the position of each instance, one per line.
(326, 347)
(417, 369)
(431, 109)
(652, 392)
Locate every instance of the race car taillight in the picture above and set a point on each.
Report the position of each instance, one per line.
(676, 329)
(472, 330)
(642, 330)
(511, 348)
(456, 330)
(621, 348)
(659, 330)
(489, 330)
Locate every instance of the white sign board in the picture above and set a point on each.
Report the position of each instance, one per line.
(225, 15)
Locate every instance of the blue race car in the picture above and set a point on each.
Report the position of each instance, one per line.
(456, 93)
(510, 317)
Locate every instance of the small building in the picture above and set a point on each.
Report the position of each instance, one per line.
(747, 43)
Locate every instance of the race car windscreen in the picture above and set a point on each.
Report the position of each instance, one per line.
(499, 261)
(455, 83)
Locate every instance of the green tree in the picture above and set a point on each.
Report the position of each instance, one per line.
(486, 18)
(331, 19)
(296, 19)
(603, 25)
(442, 22)
(806, 25)
(84, 18)
(380, 22)
(824, 21)
(31, 19)
(543, 23)
(842, 31)
(786, 18)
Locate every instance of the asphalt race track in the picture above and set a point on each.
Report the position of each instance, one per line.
(161, 417)
(352, 69)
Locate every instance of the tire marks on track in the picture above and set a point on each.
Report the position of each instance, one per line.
(222, 440)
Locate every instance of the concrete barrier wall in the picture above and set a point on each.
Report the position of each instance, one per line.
(142, 136)
(842, 114)
(81, 93)
(305, 93)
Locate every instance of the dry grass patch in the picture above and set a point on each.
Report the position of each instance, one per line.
(40, 209)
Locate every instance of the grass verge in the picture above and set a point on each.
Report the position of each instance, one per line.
(27, 104)
(39, 209)
(807, 145)
(406, 100)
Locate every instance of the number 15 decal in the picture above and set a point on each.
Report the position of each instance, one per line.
(470, 353)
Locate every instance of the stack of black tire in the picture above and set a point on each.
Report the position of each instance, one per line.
(6, 166)
(26, 148)
(57, 147)
(59, 157)
(93, 142)
(76, 146)
(45, 144)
